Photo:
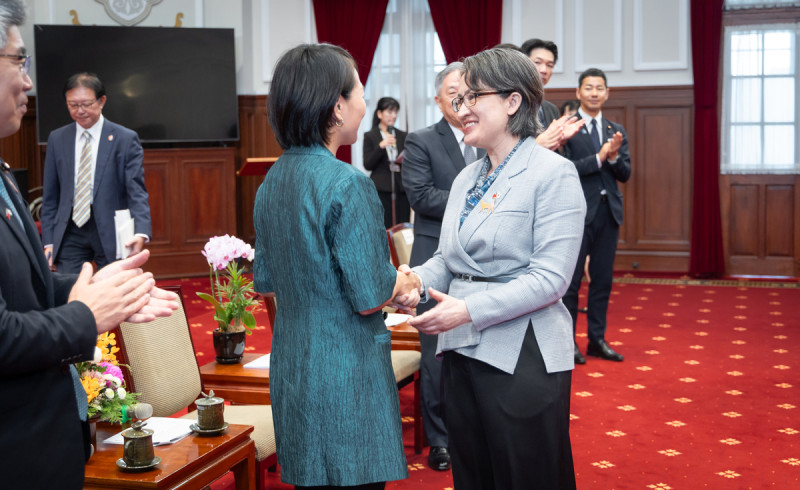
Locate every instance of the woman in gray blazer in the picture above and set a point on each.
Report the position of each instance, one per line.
(509, 242)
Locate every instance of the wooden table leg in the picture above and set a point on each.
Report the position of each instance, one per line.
(245, 471)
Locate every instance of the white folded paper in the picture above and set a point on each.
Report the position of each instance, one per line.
(166, 430)
(259, 363)
(393, 319)
(123, 224)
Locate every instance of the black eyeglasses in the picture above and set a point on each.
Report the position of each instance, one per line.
(25, 60)
(471, 98)
(74, 106)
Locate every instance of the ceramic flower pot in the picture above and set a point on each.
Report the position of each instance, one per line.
(228, 346)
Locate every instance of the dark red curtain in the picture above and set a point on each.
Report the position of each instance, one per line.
(466, 28)
(706, 257)
(356, 26)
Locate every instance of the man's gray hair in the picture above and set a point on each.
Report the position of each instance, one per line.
(508, 71)
(454, 66)
(12, 13)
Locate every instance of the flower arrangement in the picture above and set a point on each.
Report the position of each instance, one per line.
(234, 294)
(104, 383)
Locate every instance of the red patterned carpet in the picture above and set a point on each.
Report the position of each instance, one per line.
(707, 395)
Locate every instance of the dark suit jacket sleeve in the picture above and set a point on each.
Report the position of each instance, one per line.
(417, 176)
(137, 193)
(40, 339)
(551, 113)
(374, 155)
(51, 192)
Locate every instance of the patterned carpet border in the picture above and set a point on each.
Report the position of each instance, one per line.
(686, 281)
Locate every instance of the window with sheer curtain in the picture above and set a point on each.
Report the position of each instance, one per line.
(759, 111)
(406, 62)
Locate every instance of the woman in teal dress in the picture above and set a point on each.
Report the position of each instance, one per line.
(321, 247)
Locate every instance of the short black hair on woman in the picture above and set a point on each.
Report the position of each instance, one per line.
(384, 104)
(306, 84)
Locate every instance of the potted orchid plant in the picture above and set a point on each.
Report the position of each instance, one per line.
(232, 296)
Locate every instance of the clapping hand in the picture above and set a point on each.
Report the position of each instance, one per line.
(159, 303)
(610, 149)
(446, 315)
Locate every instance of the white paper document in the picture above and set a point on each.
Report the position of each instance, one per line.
(123, 224)
(259, 363)
(166, 430)
(393, 319)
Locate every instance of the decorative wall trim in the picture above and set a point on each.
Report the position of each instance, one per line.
(199, 13)
(128, 12)
(614, 31)
(266, 59)
(682, 63)
(559, 40)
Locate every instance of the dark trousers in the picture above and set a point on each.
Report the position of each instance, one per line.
(402, 208)
(508, 432)
(600, 239)
(80, 245)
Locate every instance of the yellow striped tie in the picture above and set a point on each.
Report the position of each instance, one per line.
(83, 188)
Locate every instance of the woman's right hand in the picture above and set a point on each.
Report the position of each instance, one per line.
(389, 140)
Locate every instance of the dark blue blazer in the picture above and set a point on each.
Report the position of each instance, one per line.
(580, 150)
(40, 335)
(118, 184)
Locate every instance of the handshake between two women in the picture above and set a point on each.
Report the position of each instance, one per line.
(448, 313)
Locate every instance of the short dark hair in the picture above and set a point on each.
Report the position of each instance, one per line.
(507, 46)
(84, 79)
(532, 44)
(508, 71)
(592, 72)
(12, 13)
(384, 104)
(306, 84)
(571, 105)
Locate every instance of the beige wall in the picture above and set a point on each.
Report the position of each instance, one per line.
(637, 42)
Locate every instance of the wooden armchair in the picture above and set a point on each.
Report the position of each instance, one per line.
(164, 370)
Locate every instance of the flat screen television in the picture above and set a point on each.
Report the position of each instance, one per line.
(167, 84)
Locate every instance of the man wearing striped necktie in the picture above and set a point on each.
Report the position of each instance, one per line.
(93, 168)
(49, 320)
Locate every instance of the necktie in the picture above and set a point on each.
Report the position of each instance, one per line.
(80, 394)
(595, 136)
(83, 189)
(7, 199)
(469, 154)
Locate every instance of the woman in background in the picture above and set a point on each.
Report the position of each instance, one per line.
(382, 144)
(321, 247)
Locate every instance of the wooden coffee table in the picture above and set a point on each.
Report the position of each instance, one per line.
(193, 462)
(248, 386)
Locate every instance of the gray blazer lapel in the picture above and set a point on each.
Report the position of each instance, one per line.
(496, 193)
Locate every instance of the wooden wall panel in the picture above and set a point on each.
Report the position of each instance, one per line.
(656, 231)
(761, 224)
(192, 199)
(156, 179)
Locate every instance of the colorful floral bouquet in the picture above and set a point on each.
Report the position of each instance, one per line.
(232, 294)
(104, 383)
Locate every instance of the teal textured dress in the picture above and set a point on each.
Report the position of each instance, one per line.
(321, 247)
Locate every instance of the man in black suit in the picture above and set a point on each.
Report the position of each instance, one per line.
(434, 156)
(49, 321)
(600, 153)
(556, 130)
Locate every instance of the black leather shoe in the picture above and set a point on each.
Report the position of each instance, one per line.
(602, 350)
(439, 458)
(579, 359)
